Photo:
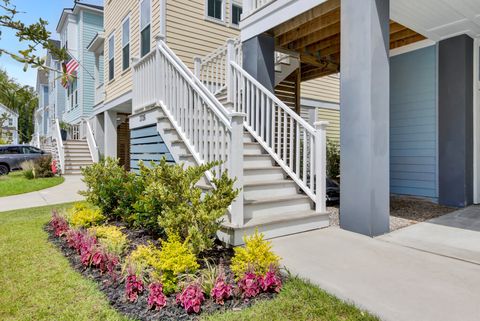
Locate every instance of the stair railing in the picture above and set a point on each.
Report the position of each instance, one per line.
(294, 144)
(212, 70)
(210, 132)
(90, 137)
(57, 136)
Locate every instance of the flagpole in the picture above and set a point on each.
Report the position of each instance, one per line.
(80, 64)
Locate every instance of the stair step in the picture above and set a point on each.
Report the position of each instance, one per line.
(273, 188)
(252, 148)
(273, 206)
(283, 224)
(257, 160)
(255, 174)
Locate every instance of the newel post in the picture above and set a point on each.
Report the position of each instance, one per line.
(236, 165)
(229, 75)
(197, 65)
(320, 166)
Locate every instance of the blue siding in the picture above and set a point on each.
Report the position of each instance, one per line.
(146, 144)
(413, 123)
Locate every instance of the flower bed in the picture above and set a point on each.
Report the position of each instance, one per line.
(135, 297)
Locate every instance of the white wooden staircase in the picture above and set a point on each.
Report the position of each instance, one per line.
(262, 142)
(77, 156)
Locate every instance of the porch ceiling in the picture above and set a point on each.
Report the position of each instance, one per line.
(315, 34)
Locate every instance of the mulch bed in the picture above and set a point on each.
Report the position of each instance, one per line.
(404, 211)
(115, 291)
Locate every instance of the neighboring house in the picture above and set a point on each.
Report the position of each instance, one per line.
(41, 116)
(77, 27)
(10, 126)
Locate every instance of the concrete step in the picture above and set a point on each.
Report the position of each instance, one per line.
(255, 174)
(271, 206)
(286, 223)
(75, 142)
(252, 148)
(274, 188)
(257, 160)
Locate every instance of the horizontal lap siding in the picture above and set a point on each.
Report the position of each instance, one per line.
(413, 123)
(147, 145)
(333, 118)
(325, 88)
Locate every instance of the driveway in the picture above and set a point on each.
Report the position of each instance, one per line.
(455, 235)
(63, 193)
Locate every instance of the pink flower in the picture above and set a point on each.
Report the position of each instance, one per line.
(156, 299)
(221, 290)
(271, 281)
(191, 298)
(133, 287)
(249, 285)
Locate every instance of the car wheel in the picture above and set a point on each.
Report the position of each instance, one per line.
(4, 169)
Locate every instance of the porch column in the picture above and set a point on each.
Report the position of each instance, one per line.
(99, 122)
(364, 116)
(110, 128)
(455, 121)
(259, 59)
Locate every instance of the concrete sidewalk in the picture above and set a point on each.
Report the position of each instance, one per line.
(392, 281)
(63, 193)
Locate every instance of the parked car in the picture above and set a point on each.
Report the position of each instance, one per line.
(11, 156)
(333, 192)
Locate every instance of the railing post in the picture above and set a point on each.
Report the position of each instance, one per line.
(159, 73)
(229, 75)
(197, 65)
(236, 165)
(320, 166)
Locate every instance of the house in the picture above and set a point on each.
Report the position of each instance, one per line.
(9, 128)
(41, 112)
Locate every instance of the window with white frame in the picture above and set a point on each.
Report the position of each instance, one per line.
(235, 13)
(45, 96)
(126, 43)
(145, 18)
(10, 122)
(72, 94)
(215, 9)
(111, 57)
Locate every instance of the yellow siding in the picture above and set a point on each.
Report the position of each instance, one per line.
(333, 117)
(325, 88)
(189, 34)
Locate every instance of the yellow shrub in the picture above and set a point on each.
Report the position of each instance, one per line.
(111, 237)
(256, 255)
(145, 258)
(80, 215)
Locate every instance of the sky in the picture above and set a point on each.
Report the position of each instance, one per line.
(32, 10)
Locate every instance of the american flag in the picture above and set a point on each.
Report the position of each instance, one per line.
(68, 69)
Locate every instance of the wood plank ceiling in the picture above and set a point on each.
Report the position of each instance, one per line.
(315, 35)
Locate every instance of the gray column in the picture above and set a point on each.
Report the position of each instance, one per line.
(364, 116)
(110, 133)
(259, 59)
(99, 129)
(455, 121)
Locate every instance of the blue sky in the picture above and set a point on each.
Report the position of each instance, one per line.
(49, 10)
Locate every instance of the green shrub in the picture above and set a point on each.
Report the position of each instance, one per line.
(333, 159)
(81, 215)
(256, 256)
(43, 167)
(177, 205)
(28, 168)
(111, 188)
(111, 237)
(145, 259)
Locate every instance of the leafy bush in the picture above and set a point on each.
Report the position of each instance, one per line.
(175, 258)
(221, 291)
(191, 298)
(145, 259)
(133, 287)
(271, 282)
(249, 285)
(256, 256)
(111, 188)
(43, 167)
(59, 224)
(172, 198)
(111, 237)
(333, 159)
(156, 299)
(208, 276)
(81, 215)
(28, 168)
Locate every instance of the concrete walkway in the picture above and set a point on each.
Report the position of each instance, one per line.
(63, 193)
(392, 281)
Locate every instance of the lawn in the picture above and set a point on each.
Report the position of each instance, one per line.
(38, 284)
(15, 183)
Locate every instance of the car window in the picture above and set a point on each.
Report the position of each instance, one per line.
(31, 150)
(13, 150)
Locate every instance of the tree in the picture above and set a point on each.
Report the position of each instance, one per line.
(36, 36)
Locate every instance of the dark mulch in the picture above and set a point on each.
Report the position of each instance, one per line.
(115, 291)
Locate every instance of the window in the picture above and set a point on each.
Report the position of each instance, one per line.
(215, 9)
(111, 57)
(144, 27)
(10, 122)
(13, 150)
(126, 44)
(45, 95)
(73, 94)
(31, 150)
(236, 13)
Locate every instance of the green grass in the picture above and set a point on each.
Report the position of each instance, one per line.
(37, 283)
(15, 183)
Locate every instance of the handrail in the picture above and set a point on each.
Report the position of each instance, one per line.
(92, 144)
(291, 141)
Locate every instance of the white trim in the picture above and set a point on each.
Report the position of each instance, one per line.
(314, 103)
(114, 102)
(127, 17)
(238, 4)
(163, 18)
(223, 20)
(476, 121)
(412, 47)
(140, 27)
